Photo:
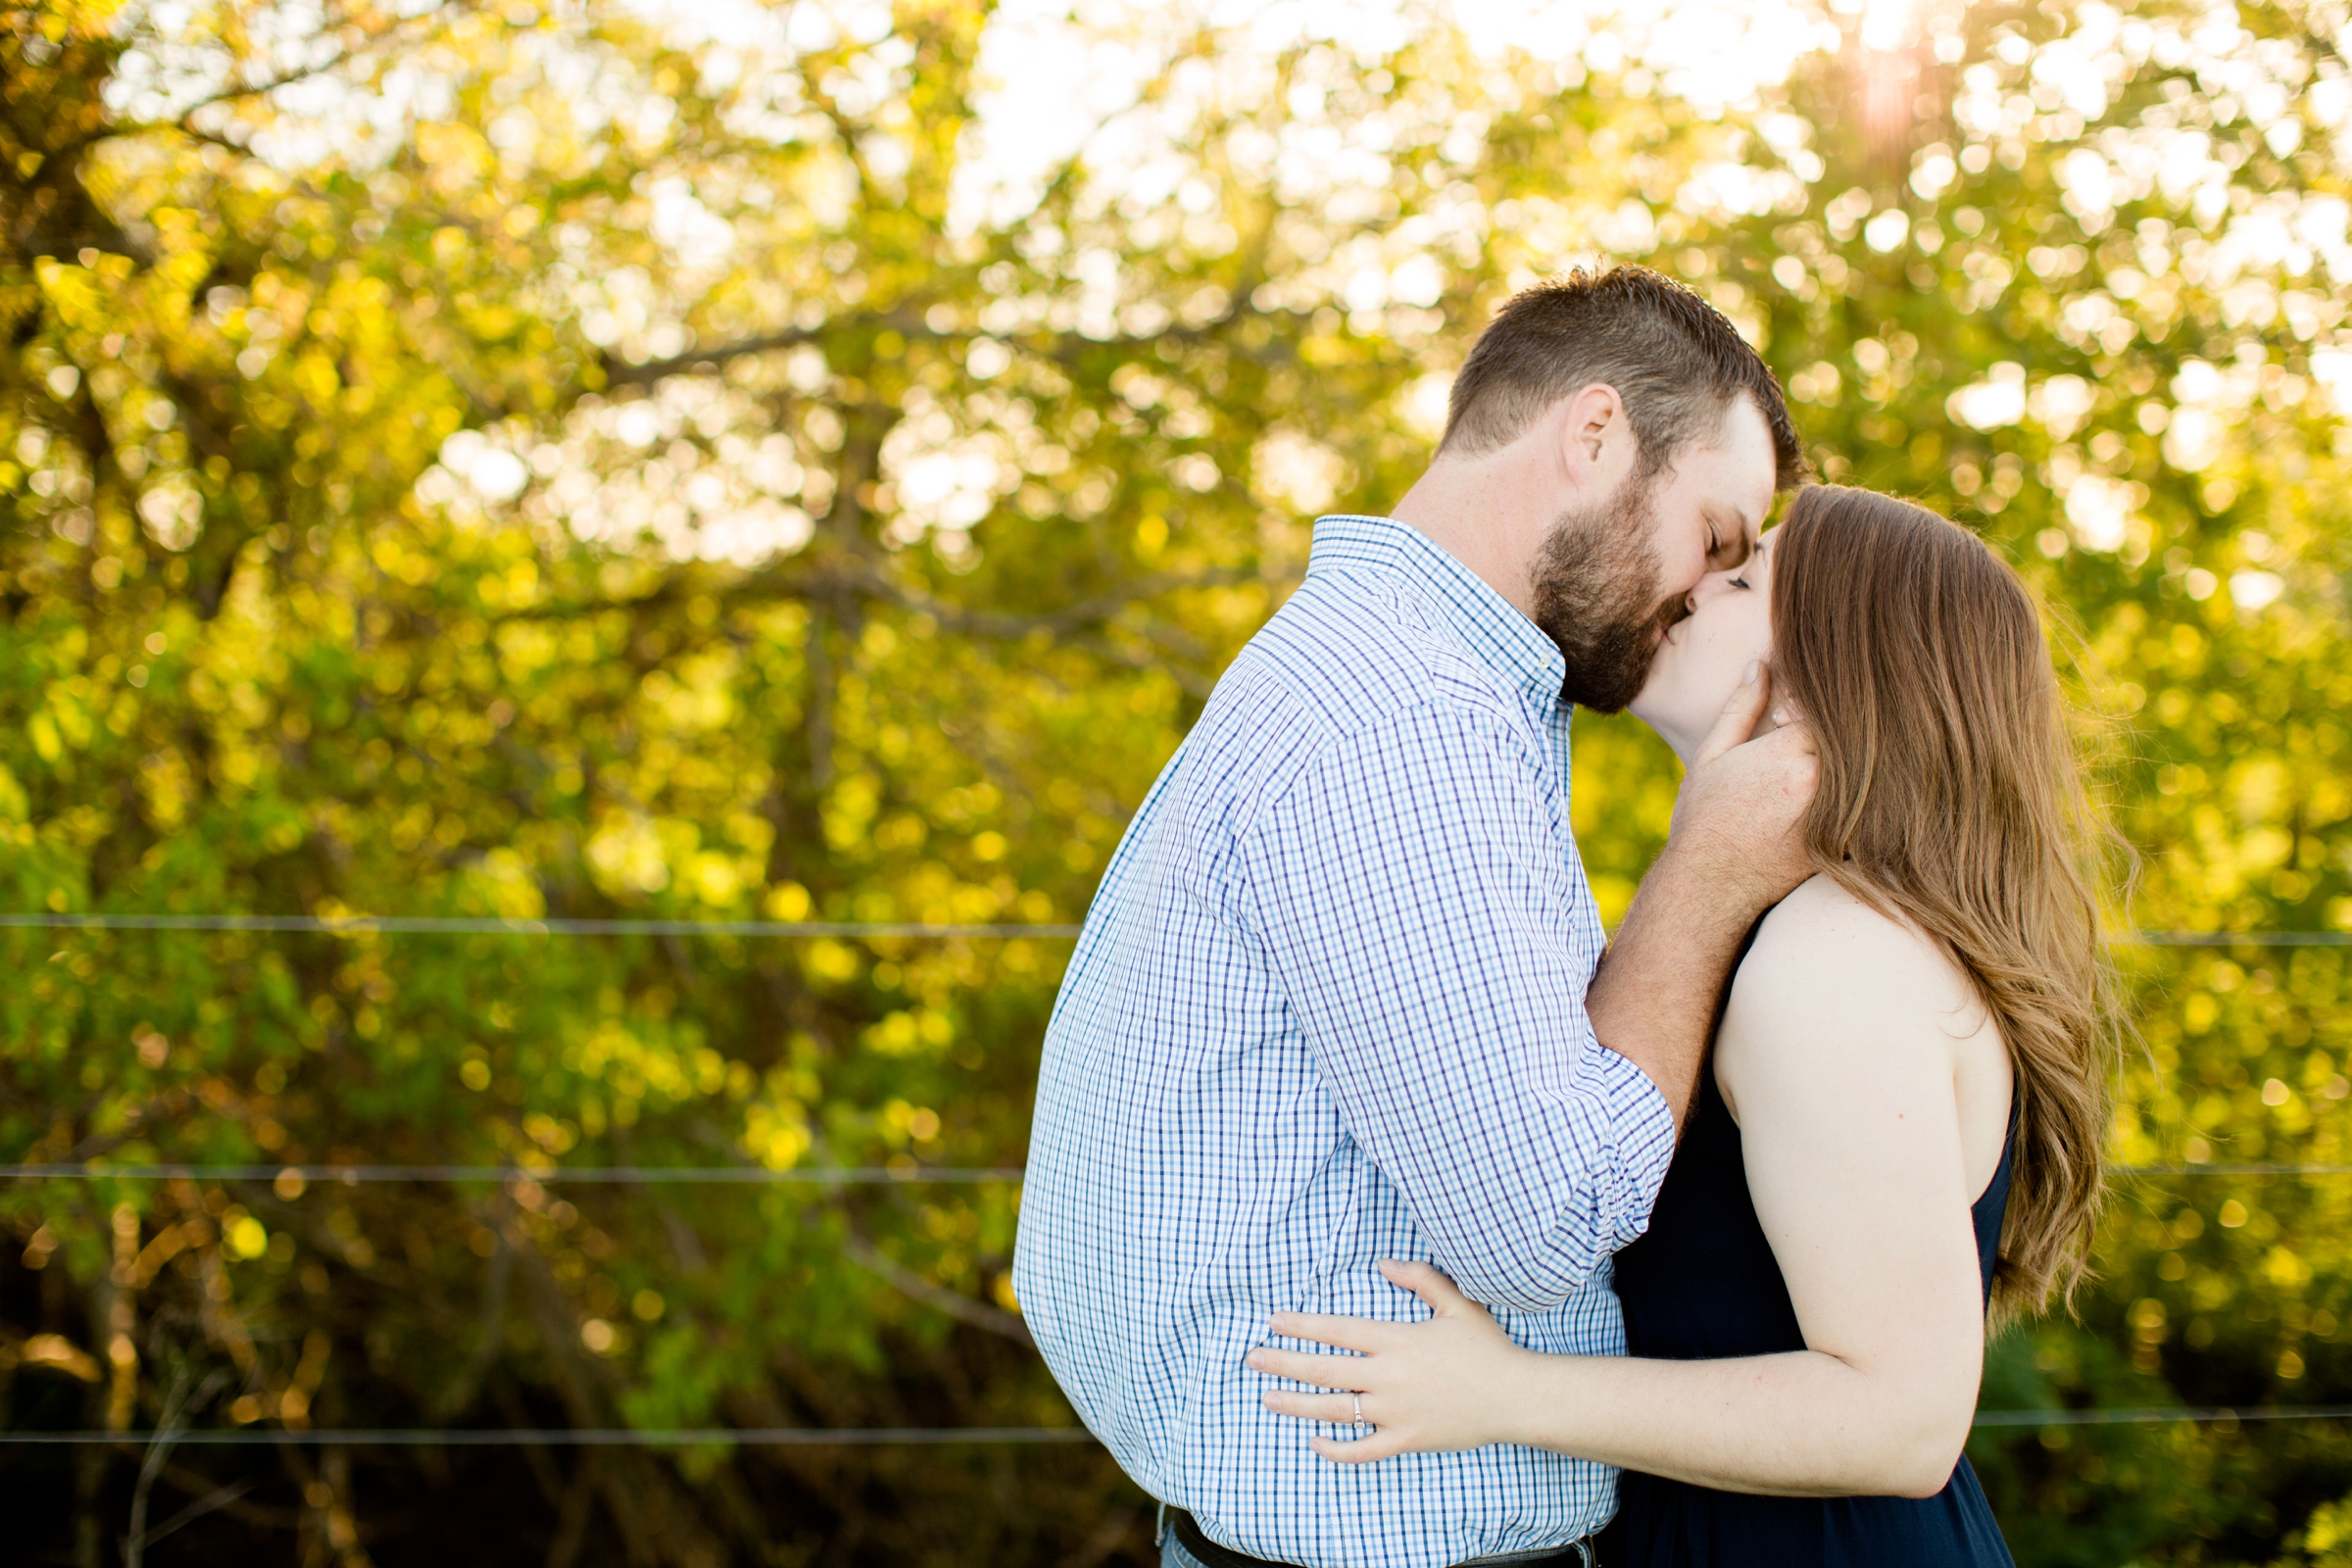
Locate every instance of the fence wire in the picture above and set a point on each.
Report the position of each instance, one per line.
(940, 1437)
(2210, 1414)
(496, 926)
(761, 1176)
(563, 1437)
(505, 926)
(593, 1175)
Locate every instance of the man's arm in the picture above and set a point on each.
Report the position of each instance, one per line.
(1735, 850)
(1410, 891)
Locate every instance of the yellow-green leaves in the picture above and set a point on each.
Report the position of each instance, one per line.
(598, 468)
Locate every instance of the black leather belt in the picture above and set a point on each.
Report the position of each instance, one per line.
(1209, 1554)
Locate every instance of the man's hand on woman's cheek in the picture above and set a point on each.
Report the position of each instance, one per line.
(1739, 820)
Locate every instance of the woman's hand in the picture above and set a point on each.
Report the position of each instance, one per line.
(1435, 1387)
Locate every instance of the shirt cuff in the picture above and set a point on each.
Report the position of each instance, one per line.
(1642, 1129)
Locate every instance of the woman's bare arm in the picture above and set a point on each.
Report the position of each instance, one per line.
(1838, 1051)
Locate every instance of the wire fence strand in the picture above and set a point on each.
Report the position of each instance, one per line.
(761, 1176)
(596, 1175)
(2160, 1415)
(942, 1437)
(568, 1437)
(2232, 938)
(496, 926)
(505, 926)
(2256, 1167)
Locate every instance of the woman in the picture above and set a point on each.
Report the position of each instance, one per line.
(1902, 1120)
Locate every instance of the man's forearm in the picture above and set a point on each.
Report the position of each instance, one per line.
(1735, 849)
(1652, 999)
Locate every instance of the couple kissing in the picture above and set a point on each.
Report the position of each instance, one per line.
(1382, 1213)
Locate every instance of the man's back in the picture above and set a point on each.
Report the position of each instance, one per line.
(1328, 1008)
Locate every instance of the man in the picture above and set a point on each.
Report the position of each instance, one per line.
(1331, 1004)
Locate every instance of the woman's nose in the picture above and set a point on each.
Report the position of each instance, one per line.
(1713, 585)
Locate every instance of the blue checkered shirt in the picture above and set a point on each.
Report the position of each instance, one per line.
(1329, 1009)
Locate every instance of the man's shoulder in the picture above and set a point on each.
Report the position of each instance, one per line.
(1353, 654)
(1353, 649)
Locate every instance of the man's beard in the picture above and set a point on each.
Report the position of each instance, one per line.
(1597, 596)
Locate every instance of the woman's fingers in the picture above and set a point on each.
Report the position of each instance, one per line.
(1302, 1366)
(1420, 1387)
(1441, 1292)
(1362, 1451)
(1335, 1407)
(1340, 1409)
(1348, 1333)
(1741, 711)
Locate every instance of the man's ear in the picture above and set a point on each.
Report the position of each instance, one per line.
(1596, 439)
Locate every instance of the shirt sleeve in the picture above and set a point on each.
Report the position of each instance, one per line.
(1421, 916)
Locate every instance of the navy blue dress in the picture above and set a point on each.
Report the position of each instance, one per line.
(1703, 1284)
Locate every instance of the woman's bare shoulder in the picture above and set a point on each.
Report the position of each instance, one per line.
(1822, 959)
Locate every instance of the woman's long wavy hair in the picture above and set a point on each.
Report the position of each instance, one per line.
(1951, 796)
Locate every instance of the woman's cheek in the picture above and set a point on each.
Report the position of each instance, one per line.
(1756, 636)
(1724, 658)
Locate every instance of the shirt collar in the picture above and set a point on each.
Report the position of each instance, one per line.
(1503, 639)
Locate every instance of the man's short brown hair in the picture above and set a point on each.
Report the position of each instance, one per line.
(1675, 360)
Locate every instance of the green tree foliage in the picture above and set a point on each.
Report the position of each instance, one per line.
(601, 460)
